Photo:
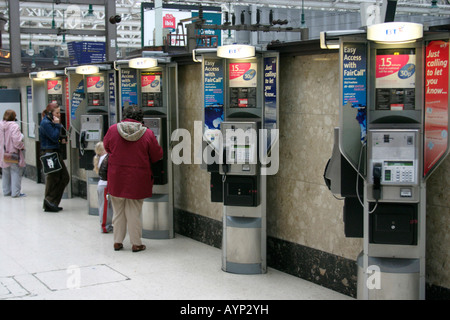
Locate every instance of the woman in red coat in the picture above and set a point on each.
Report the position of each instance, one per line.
(131, 148)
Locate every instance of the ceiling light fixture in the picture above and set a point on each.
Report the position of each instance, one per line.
(236, 51)
(90, 17)
(142, 63)
(45, 74)
(88, 69)
(395, 32)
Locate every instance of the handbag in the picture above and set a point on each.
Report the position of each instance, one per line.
(50, 162)
(11, 157)
(103, 170)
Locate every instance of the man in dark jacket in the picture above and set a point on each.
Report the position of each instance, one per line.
(132, 148)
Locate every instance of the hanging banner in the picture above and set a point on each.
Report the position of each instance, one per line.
(436, 103)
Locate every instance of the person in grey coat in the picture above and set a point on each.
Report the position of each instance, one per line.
(11, 142)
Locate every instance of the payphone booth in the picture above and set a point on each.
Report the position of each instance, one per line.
(239, 133)
(392, 135)
(50, 87)
(91, 94)
(151, 83)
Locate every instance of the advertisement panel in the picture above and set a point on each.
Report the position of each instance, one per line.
(436, 103)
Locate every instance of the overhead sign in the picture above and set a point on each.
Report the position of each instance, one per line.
(86, 52)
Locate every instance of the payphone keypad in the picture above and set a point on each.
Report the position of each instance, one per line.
(393, 164)
(398, 172)
(240, 147)
(154, 124)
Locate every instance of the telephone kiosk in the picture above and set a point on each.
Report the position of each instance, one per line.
(49, 87)
(150, 82)
(92, 107)
(240, 99)
(92, 111)
(392, 136)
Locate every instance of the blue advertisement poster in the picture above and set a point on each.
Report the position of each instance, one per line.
(355, 81)
(270, 98)
(128, 84)
(112, 99)
(213, 93)
(77, 98)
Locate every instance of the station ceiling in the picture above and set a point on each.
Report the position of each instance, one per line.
(38, 15)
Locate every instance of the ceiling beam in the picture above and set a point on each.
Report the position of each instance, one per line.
(86, 2)
(59, 31)
(404, 7)
(14, 36)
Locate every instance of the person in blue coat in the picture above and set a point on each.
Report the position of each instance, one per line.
(50, 138)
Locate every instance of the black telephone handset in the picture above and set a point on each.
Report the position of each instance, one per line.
(377, 181)
(83, 141)
(49, 115)
(225, 166)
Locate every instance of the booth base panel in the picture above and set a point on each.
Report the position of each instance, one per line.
(392, 287)
(244, 246)
(156, 219)
(389, 279)
(244, 268)
(93, 211)
(156, 234)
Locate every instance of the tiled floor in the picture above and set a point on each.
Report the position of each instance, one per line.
(46, 255)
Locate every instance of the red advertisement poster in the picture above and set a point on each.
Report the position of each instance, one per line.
(391, 65)
(243, 74)
(94, 84)
(436, 103)
(151, 83)
(54, 87)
